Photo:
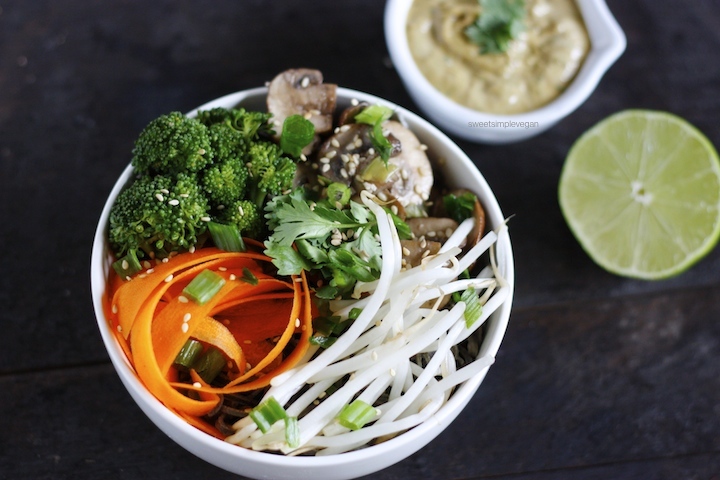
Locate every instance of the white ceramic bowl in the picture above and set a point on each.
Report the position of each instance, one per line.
(607, 44)
(461, 173)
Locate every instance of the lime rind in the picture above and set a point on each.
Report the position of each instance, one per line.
(605, 203)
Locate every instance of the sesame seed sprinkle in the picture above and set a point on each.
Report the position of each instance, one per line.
(183, 299)
(169, 278)
(184, 327)
(174, 202)
(334, 142)
(159, 197)
(197, 384)
(297, 322)
(187, 317)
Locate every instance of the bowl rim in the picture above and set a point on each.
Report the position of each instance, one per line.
(198, 442)
(607, 40)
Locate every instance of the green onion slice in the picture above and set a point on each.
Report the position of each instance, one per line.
(297, 133)
(357, 414)
(267, 413)
(226, 237)
(204, 286)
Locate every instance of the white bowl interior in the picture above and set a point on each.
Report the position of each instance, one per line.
(608, 42)
(459, 172)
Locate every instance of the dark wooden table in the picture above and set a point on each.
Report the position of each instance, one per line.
(599, 376)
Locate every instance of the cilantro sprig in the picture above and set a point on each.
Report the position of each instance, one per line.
(499, 22)
(336, 240)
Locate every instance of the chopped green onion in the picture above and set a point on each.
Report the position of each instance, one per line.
(188, 354)
(357, 414)
(297, 133)
(327, 292)
(338, 193)
(354, 313)
(249, 277)
(473, 308)
(128, 265)
(204, 286)
(226, 237)
(210, 364)
(374, 114)
(292, 432)
(267, 413)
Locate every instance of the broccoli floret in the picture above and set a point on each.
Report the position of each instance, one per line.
(225, 183)
(157, 215)
(250, 124)
(271, 173)
(171, 144)
(245, 215)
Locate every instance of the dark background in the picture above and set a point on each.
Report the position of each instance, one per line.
(598, 377)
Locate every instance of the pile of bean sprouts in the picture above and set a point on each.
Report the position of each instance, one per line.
(376, 359)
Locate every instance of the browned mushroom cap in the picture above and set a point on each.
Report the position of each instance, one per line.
(411, 175)
(347, 152)
(302, 91)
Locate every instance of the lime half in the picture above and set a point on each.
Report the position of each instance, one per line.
(641, 193)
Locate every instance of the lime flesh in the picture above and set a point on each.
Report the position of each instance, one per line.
(641, 193)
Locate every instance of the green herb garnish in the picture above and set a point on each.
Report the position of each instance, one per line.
(204, 286)
(376, 115)
(297, 133)
(499, 22)
(460, 207)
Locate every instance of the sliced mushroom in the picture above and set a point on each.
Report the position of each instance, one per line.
(347, 152)
(437, 229)
(302, 92)
(348, 115)
(414, 251)
(411, 177)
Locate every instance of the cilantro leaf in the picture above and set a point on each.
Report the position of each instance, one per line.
(499, 22)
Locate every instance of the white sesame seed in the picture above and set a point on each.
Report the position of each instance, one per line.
(146, 264)
(191, 249)
(119, 328)
(431, 234)
(184, 327)
(394, 209)
(343, 173)
(174, 202)
(183, 299)
(169, 278)
(425, 253)
(305, 82)
(374, 355)
(233, 277)
(184, 195)
(354, 102)
(325, 159)
(197, 385)
(114, 308)
(336, 242)
(159, 197)
(307, 115)
(331, 154)
(392, 372)
(325, 168)
(222, 269)
(297, 322)
(406, 251)
(125, 264)
(149, 271)
(205, 219)
(334, 142)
